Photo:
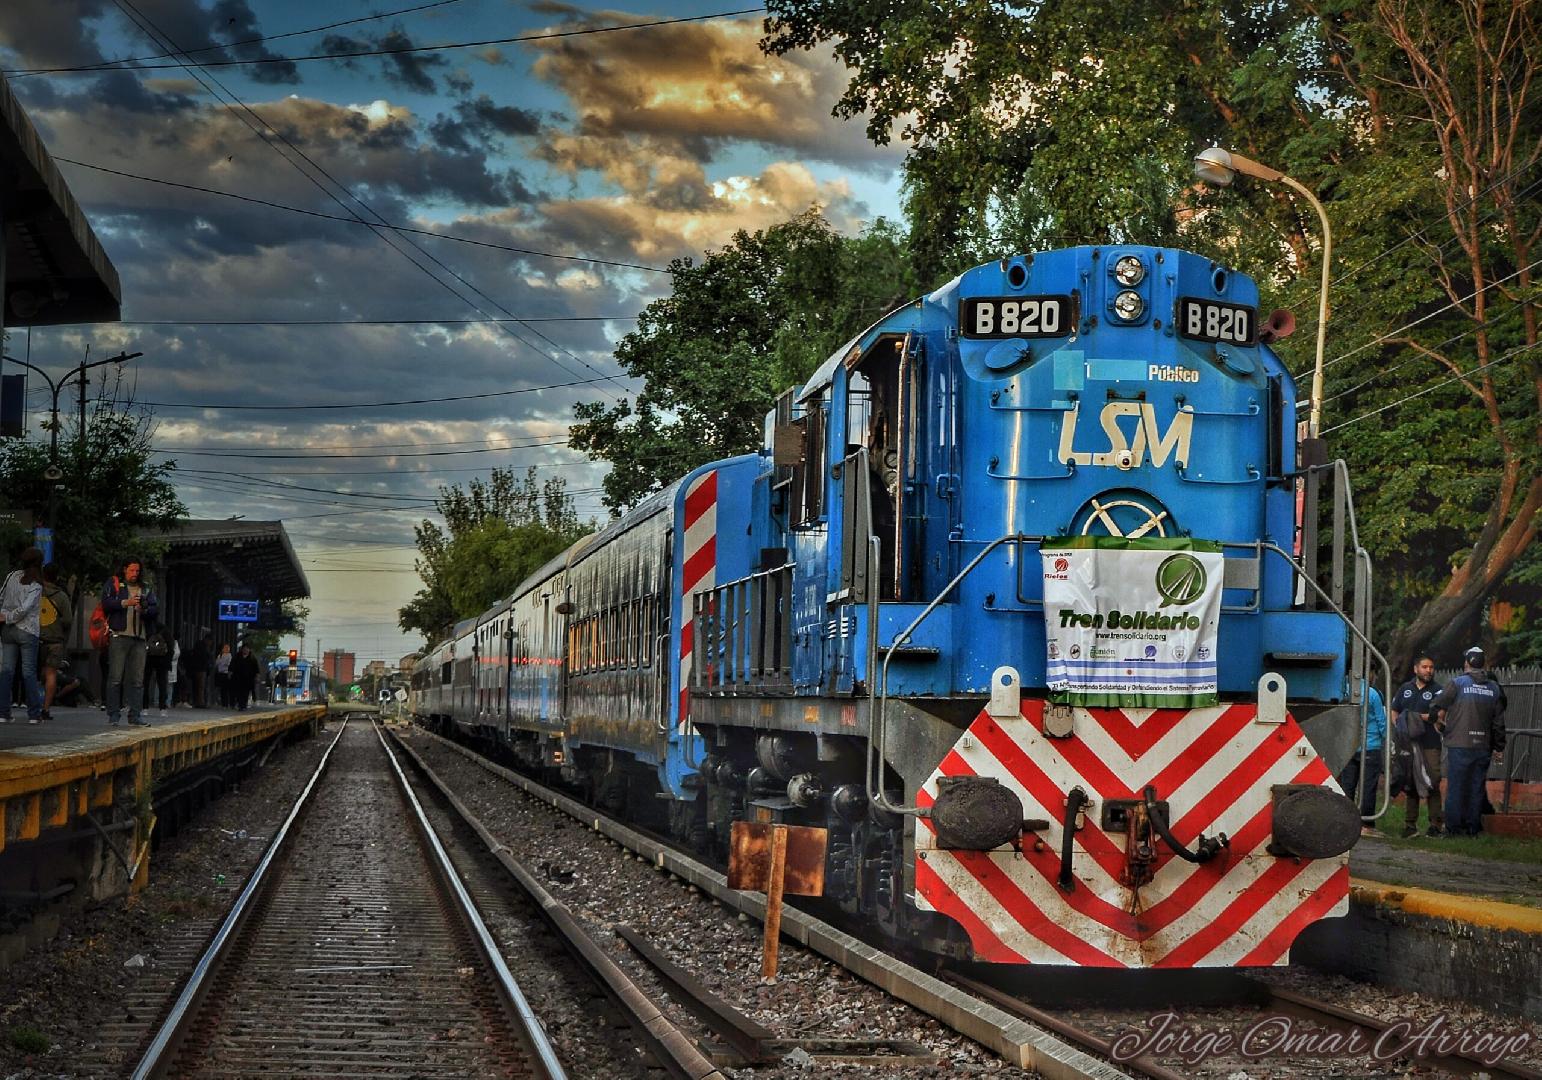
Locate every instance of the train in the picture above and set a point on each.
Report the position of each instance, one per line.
(294, 682)
(1016, 606)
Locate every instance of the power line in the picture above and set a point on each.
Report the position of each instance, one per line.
(1492, 324)
(380, 322)
(1430, 389)
(358, 446)
(371, 404)
(105, 65)
(356, 220)
(340, 457)
(209, 82)
(429, 472)
(117, 65)
(233, 477)
(1421, 319)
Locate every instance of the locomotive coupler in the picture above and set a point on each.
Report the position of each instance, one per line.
(1205, 847)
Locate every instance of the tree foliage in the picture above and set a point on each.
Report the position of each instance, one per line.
(111, 492)
(496, 533)
(739, 327)
(1415, 121)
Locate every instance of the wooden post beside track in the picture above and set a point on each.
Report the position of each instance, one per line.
(778, 877)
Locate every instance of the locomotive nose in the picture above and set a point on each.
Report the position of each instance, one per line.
(1313, 822)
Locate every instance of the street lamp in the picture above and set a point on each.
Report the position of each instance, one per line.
(54, 473)
(1219, 168)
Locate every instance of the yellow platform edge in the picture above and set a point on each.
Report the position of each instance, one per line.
(1472, 910)
(29, 769)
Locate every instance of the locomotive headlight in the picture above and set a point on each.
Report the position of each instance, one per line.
(1129, 306)
(1129, 271)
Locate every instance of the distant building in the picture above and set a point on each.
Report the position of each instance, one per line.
(339, 666)
(407, 663)
(375, 669)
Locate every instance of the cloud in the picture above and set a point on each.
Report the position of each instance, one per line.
(689, 214)
(700, 86)
(65, 33)
(479, 122)
(407, 69)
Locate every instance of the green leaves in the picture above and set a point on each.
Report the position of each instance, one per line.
(738, 328)
(497, 532)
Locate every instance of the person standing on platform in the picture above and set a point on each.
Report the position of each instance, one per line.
(1470, 713)
(1414, 730)
(173, 667)
(20, 597)
(131, 614)
(158, 669)
(222, 676)
(56, 614)
(1367, 760)
(243, 677)
(199, 659)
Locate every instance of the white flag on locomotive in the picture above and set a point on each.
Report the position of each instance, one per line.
(1132, 623)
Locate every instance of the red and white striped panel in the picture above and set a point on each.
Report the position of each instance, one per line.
(699, 567)
(1214, 767)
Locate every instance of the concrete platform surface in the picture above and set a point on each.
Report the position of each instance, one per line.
(1378, 860)
(71, 725)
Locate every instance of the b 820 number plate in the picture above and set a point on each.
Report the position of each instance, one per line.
(1211, 320)
(1016, 317)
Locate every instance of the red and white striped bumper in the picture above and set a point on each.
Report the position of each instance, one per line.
(1214, 767)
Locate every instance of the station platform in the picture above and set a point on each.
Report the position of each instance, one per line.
(78, 798)
(1443, 923)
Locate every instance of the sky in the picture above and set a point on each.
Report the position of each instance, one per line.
(619, 149)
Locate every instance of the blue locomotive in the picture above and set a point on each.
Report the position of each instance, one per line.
(1009, 604)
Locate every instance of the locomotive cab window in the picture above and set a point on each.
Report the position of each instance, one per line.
(881, 410)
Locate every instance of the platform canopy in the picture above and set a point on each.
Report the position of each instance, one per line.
(239, 553)
(55, 270)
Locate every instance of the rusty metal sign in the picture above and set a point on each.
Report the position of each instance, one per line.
(749, 858)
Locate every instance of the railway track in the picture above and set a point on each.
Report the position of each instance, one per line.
(1064, 1024)
(353, 951)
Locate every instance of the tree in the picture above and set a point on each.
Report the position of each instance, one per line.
(1063, 122)
(496, 533)
(111, 494)
(739, 327)
(1417, 123)
(264, 643)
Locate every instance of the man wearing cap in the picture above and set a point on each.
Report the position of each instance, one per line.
(1470, 713)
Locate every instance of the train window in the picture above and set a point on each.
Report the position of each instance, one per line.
(806, 496)
(444, 673)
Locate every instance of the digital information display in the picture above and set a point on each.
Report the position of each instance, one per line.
(238, 611)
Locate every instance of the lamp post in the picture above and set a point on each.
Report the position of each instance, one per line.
(54, 473)
(1218, 168)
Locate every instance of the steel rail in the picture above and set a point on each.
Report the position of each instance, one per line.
(1143, 1063)
(1463, 1064)
(1016, 1040)
(157, 1058)
(530, 1024)
(671, 1048)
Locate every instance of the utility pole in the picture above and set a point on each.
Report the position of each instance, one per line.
(54, 474)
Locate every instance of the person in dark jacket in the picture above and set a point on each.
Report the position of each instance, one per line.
(243, 676)
(198, 660)
(1419, 745)
(1470, 714)
(132, 610)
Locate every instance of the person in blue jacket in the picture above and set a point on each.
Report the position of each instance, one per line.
(1366, 761)
(1470, 714)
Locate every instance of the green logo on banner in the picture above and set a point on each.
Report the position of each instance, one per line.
(1180, 580)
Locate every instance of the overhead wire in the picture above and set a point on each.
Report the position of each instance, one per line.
(1459, 376)
(112, 65)
(1491, 325)
(1421, 319)
(378, 322)
(209, 82)
(352, 54)
(356, 220)
(233, 406)
(357, 457)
